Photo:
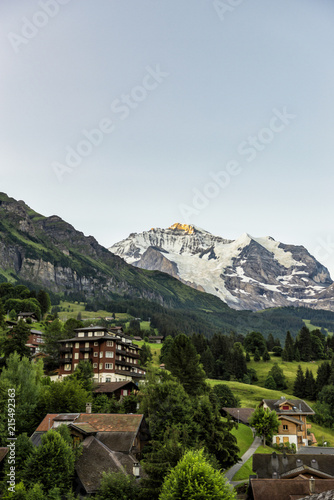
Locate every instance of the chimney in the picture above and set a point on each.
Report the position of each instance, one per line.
(88, 407)
(312, 484)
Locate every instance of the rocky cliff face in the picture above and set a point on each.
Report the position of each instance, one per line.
(247, 273)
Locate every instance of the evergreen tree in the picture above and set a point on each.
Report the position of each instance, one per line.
(52, 335)
(257, 356)
(266, 356)
(184, 363)
(247, 357)
(44, 301)
(277, 373)
(289, 347)
(297, 355)
(208, 362)
(310, 385)
(16, 340)
(270, 342)
(238, 361)
(270, 383)
(304, 344)
(323, 375)
(299, 384)
(225, 397)
(166, 347)
(145, 355)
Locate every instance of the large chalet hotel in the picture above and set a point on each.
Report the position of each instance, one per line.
(113, 355)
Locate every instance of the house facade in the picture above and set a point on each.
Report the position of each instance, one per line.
(113, 355)
(292, 415)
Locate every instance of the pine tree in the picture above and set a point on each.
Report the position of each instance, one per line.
(304, 344)
(184, 363)
(266, 356)
(257, 356)
(299, 384)
(270, 342)
(289, 347)
(270, 383)
(310, 385)
(323, 375)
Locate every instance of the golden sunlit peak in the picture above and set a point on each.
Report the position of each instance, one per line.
(183, 227)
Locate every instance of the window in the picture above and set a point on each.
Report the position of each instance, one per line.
(96, 344)
(109, 354)
(101, 366)
(108, 366)
(86, 344)
(76, 355)
(108, 379)
(110, 343)
(67, 368)
(77, 345)
(285, 427)
(96, 354)
(75, 365)
(101, 354)
(90, 334)
(286, 407)
(94, 365)
(81, 334)
(99, 334)
(86, 356)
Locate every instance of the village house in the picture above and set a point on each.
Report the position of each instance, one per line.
(35, 341)
(117, 389)
(27, 315)
(113, 355)
(292, 415)
(110, 442)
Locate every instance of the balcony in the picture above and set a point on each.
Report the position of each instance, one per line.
(86, 349)
(65, 349)
(64, 361)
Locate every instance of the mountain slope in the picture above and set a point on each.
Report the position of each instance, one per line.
(48, 252)
(247, 273)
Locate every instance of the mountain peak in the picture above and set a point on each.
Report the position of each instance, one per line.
(187, 228)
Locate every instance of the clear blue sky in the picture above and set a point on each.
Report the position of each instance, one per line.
(218, 113)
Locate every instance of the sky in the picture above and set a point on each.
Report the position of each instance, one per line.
(120, 116)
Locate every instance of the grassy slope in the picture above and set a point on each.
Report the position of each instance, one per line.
(247, 468)
(289, 369)
(244, 436)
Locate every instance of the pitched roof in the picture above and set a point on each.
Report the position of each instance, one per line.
(287, 489)
(316, 450)
(265, 465)
(243, 414)
(299, 404)
(111, 422)
(46, 423)
(97, 458)
(109, 387)
(118, 441)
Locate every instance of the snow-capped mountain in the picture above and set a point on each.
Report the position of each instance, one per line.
(246, 273)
